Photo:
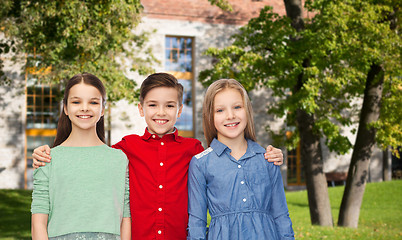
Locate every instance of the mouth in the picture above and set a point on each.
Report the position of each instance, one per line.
(232, 124)
(160, 121)
(84, 116)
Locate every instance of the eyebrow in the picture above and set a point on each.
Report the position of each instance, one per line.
(94, 98)
(154, 101)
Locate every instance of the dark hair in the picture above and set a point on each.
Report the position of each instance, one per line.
(161, 80)
(64, 124)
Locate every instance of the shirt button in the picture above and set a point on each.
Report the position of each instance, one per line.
(162, 143)
(244, 199)
(242, 182)
(239, 166)
(160, 209)
(161, 164)
(159, 232)
(153, 136)
(160, 186)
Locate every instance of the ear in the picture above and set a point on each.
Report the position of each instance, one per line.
(65, 110)
(180, 111)
(103, 111)
(141, 110)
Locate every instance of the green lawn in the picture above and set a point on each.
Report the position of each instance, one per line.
(380, 216)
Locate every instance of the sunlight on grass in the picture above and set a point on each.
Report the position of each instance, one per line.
(380, 215)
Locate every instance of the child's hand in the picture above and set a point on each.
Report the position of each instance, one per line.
(274, 155)
(41, 155)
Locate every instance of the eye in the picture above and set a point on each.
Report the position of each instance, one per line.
(171, 106)
(75, 102)
(219, 110)
(152, 105)
(238, 107)
(94, 103)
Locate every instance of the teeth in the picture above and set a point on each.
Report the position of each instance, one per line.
(231, 125)
(84, 117)
(160, 121)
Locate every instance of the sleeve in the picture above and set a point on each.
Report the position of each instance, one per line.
(40, 193)
(197, 202)
(279, 209)
(126, 209)
(198, 148)
(120, 145)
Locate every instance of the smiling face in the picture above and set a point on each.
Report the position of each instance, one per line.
(161, 109)
(230, 117)
(84, 107)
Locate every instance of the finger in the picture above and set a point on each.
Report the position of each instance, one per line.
(271, 156)
(47, 149)
(37, 164)
(42, 153)
(41, 158)
(269, 148)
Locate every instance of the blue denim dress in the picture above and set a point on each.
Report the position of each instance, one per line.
(245, 197)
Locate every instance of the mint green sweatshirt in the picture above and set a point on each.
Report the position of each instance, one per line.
(83, 189)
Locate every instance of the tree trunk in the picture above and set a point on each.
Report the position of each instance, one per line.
(311, 155)
(386, 165)
(365, 141)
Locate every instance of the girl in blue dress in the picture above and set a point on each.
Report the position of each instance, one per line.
(243, 193)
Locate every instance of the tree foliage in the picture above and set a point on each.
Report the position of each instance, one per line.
(341, 41)
(62, 38)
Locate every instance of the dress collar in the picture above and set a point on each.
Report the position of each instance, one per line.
(252, 148)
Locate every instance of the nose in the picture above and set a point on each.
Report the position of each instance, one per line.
(230, 114)
(84, 107)
(161, 110)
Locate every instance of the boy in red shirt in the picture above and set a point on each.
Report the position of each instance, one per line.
(158, 162)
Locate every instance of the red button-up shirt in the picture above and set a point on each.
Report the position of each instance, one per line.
(158, 169)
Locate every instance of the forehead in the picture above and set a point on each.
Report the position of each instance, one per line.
(84, 90)
(162, 94)
(228, 96)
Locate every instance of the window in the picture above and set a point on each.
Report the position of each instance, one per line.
(295, 175)
(42, 111)
(179, 62)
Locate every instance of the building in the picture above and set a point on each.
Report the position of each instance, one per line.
(184, 29)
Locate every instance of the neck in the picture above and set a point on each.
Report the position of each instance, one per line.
(82, 138)
(238, 146)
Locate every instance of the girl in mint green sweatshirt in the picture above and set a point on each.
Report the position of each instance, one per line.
(83, 193)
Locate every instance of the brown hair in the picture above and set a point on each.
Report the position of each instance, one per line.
(208, 111)
(160, 80)
(64, 124)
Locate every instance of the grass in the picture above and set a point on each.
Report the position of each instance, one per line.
(15, 215)
(380, 215)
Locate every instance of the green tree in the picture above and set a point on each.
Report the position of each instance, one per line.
(68, 37)
(338, 68)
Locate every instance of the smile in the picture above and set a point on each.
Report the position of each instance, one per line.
(161, 121)
(231, 124)
(84, 116)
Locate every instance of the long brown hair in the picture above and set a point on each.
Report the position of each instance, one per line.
(64, 124)
(210, 131)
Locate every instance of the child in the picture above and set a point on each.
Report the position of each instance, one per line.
(158, 162)
(243, 193)
(83, 193)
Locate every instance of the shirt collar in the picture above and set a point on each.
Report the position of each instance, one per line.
(252, 148)
(174, 135)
